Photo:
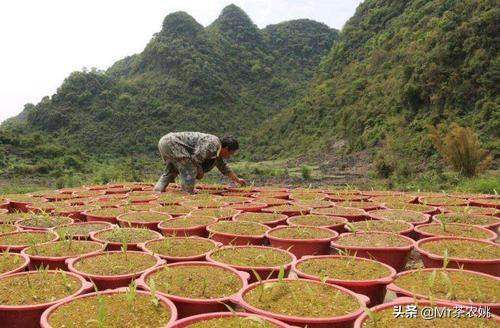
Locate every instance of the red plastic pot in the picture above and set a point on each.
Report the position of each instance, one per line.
(110, 282)
(311, 322)
(403, 302)
(26, 227)
(28, 316)
(19, 248)
(495, 307)
(248, 207)
(175, 259)
(354, 215)
(291, 212)
(335, 227)
(22, 266)
(54, 263)
(395, 257)
(234, 239)
(488, 266)
(116, 246)
(492, 226)
(302, 247)
(193, 306)
(485, 202)
(165, 302)
(5, 205)
(438, 201)
(117, 190)
(492, 236)
(263, 272)
(375, 289)
(92, 218)
(107, 225)
(271, 224)
(152, 225)
(274, 194)
(199, 230)
(187, 322)
(19, 206)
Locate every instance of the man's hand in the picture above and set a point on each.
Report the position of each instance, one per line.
(241, 182)
(235, 178)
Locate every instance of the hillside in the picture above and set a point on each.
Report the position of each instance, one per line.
(226, 78)
(397, 67)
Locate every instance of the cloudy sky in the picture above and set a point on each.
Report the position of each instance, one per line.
(43, 41)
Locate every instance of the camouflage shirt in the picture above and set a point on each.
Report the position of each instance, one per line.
(203, 149)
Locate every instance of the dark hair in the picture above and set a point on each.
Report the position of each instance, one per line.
(230, 143)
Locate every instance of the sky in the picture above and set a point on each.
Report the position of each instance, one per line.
(42, 42)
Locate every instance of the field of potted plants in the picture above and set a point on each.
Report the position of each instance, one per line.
(120, 255)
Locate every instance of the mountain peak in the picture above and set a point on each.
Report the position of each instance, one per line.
(235, 23)
(180, 24)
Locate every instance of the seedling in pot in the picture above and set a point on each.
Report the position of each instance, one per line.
(131, 293)
(351, 227)
(65, 280)
(101, 312)
(370, 314)
(152, 287)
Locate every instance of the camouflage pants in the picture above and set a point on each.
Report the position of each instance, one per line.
(174, 166)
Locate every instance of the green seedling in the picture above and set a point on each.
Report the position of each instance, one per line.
(131, 295)
(101, 312)
(449, 284)
(152, 287)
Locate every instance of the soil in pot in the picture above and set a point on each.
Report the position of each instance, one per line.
(386, 318)
(372, 239)
(301, 298)
(25, 238)
(348, 198)
(344, 268)
(204, 203)
(454, 285)
(271, 201)
(175, 210)
(240, 228)
(126, 235)
(187, 222)
(455, 230)
(316, 220)
(115, 263)
(462, 248)
(219, 213)
(143, 218)
(301, 232)
(64, 248)
(109, 203)
(248, 256)
(396, 226)
(205, 282)
(480, 220)
(10, 261)
(259, 217)
(410, 207)
(43, 221)
(287, 209)
(4, 228)
(313, 203)
(363, 205)
(142, 207)
(413, 217)
(233, 321)
(340, 211)
(169, 199)
(393, 199)
(440, 201)
(80, 230)
(236, 199)
(111, 212)
(111, 310)
(37, 287)
(181, 246)
(471, 210)
(10, 217)
(46, 207)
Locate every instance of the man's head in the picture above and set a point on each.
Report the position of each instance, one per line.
(229, 146)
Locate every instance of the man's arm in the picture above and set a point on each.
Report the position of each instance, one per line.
(226, 170)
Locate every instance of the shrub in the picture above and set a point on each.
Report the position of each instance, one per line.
(460, 147)
(305, 172)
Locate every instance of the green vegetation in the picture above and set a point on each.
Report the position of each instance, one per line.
(305, 101)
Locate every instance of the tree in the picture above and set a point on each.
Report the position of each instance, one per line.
(460, 147)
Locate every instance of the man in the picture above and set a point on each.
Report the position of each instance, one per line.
(192, 154)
